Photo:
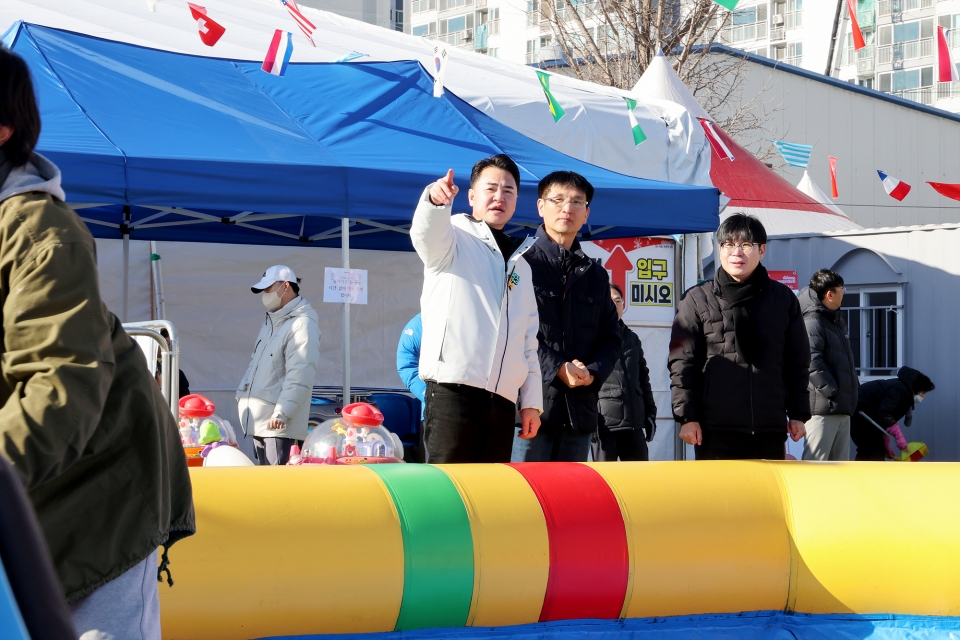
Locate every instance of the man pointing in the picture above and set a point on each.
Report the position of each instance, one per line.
(479, 350)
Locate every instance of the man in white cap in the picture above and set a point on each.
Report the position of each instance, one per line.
(274, 395)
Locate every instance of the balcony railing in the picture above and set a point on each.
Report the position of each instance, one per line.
(865, 64)
(795, 60)
(948, 90)
(885, 54)
(884, 7)
(913, 5)
(778, 34)
(923, 95)
(743, 33)
(793, 19)
(458, 38)
(493, 28)
(867, 19)
(913, 49)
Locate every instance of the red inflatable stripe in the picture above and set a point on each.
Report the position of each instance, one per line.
(589, 560)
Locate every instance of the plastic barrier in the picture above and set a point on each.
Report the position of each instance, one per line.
(287, 551)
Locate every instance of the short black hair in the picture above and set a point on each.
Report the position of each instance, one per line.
(295, 286)
(741, 227)
(616, 288)
(569, 178)
(923, 384)
(500, 161)
(18, 108)
(825, 280)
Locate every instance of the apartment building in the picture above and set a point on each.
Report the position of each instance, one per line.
(383, 13)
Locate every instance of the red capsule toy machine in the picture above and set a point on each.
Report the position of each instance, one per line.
(356, 437)
(202, 430)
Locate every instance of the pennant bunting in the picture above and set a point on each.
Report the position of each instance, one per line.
(948, 71)
(638, 134)
(951, 191)
(305, 25)
(555, 109)
(441, 58)
(727, 4)
(795, 155)
(353, 55)
(858, 41)
(895, 188)
(716, 142)
(833, 177)
(278, 54)
(210, 30)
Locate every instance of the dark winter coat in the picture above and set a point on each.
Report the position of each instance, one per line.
(887, 401)
(626, 398)
(833, 373)
(577, 322)
(713, 385)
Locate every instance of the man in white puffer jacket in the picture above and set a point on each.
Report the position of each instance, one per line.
(478, 354)
(274, 395)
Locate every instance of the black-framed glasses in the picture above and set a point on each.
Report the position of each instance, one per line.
(729, 248)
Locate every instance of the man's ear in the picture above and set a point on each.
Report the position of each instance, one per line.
(470, 197)
(763, 250)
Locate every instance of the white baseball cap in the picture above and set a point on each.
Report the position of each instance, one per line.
(276, 273)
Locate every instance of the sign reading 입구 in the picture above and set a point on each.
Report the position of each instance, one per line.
(345, 285)
(643, 268)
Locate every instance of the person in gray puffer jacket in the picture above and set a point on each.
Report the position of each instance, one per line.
(833, 374)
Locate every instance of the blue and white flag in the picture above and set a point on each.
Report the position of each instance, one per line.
(796, 155)
(353, 55)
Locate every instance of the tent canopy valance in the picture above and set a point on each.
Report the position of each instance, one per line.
(168, 146)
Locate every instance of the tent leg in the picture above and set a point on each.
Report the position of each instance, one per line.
(345, 245)
(159, 312)
(126, 273)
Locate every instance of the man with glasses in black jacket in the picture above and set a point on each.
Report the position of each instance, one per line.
(739, 355)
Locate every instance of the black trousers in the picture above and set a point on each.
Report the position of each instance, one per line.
(273, 451)
(869, 440)
(467, 424)
(742, 445)
(628, 445)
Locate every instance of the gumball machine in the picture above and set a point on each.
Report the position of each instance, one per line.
(356, 437)
(201, 430)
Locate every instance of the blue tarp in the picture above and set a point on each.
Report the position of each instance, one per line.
(760, 625)
(220, 138)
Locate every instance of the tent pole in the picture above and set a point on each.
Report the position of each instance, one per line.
(125, 230)
(159, 311)
(345, 245)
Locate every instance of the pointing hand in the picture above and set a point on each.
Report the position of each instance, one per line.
(443, 190)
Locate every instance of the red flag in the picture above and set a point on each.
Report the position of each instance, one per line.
(858, 42)
(209, 30)
(947, 68)
(833, 177)
(949, 190)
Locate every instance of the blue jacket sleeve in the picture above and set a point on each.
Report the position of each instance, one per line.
(408, 358)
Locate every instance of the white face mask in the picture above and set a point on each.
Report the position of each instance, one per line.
(271, 300)
(918, 398)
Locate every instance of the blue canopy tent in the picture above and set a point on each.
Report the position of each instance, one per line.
(178, 147)
(155, 145)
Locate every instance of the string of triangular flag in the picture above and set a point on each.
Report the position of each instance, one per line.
(798, 155)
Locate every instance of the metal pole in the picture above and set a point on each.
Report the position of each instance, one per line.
(125, 230)
(159, 310)
(345, 245)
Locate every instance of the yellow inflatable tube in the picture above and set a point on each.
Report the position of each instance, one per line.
(341, 549)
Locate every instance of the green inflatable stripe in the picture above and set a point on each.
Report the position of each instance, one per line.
(437, 546)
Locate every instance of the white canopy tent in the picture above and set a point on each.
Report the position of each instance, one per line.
(595, 129)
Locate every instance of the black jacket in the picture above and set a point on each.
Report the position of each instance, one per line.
(577, 322)
(887, 401)
(711, 384)
(833, 373)
(626, 398)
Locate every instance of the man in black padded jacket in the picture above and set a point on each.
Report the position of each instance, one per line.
(739, 355)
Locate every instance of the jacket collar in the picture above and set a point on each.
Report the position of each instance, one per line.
(481, 230)
(295, 307)
(39, 174)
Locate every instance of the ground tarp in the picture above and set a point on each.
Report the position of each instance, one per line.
(215, 150)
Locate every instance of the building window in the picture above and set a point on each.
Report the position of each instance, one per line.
(493, 52)
(794, 53)
(531, 56)
(865, 82)
(419, 6)
(428, 29)
(875, 322)
(454, 4)
(748, 24)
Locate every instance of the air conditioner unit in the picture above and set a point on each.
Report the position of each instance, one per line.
(777, 19)
(466, 35)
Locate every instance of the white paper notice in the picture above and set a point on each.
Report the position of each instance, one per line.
(345, 285)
